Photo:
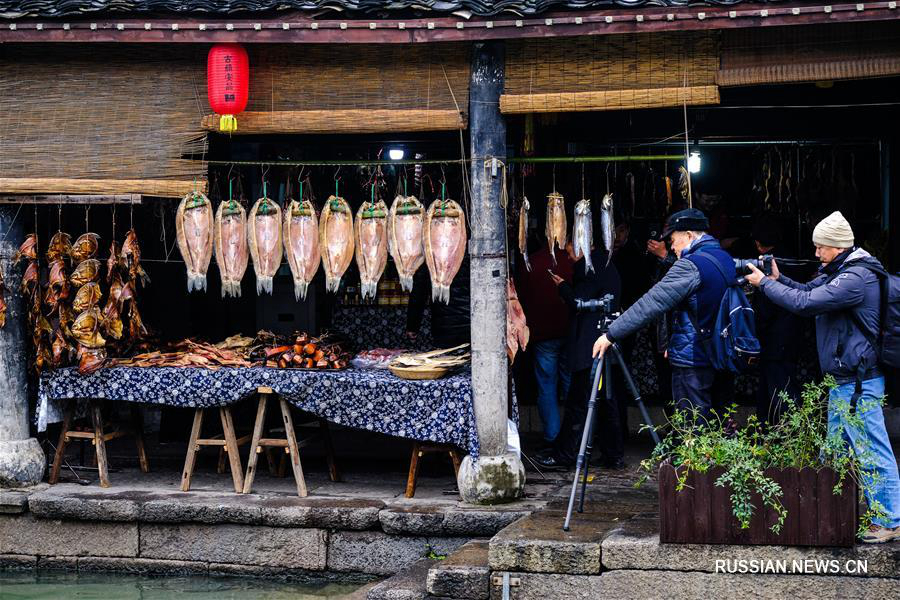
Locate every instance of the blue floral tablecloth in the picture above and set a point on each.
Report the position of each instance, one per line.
(437, 411)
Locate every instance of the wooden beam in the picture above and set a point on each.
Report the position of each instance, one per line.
(342, 121)
(73, 199)
(166, 188)
(608, 100)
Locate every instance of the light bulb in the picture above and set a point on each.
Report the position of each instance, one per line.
(396, 153)
(694, 162)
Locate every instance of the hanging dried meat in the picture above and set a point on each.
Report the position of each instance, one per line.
(517, 332)
(131, 255)
(232, 253)
(86, 271)
(85, 247)
(60, 246)
(28, 248)
(194, 230)
(335, 240)
(523, 231)
(556, 223)
(300, 234)
(264, 238)
(371, 245)
(87, 296)
(583, 234)
(406, 227)
(445, 245)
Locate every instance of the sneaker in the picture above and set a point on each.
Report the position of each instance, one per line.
(877, 535)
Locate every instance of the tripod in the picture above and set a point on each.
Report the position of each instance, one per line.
(601, 371)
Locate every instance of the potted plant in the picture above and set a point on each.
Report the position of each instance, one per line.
(794, 483)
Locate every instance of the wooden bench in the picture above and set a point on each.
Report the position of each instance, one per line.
(98, 438)
(419, 450)
(227, 442)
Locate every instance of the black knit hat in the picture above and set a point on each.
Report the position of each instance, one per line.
(689, 219)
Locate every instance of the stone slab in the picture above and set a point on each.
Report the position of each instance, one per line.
(547, 586)
(378, 553)
(449, 521)
(191, 507)
(143, 566)
(635, 545)
(236, 544)
(537, 544)
(408, 584)
(463, 574)
(17, 562)
(13, 502)
(86, 506)
(324, 513)
(25, 534)
(283, 574)
(58, 563)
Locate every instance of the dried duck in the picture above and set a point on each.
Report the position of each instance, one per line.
(232, 252)
(194, 230)
(523, 231)
(556, 223)
(406, 226)
(445, 245)
(300, 233)
(264, 239)
(371, 245)
(335, 240)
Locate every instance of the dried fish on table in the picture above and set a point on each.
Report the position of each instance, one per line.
(445, 246)
(371, 245)
(194, 230)
(335, 240)
(86, 246)
(406, 232)
(608, 225)
(583, 233)
(232, 253)
(523, 231)
(264, 241)
(556, 223)
(300, 234)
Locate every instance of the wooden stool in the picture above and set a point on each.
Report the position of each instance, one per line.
(98, 439)
(323, 434)
(418, 451)
(289, 443)
(228, 444)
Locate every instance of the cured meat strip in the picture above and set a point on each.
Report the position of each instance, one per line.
(445, 245)
(264, 236)
(371, 245)
(517, 333)
(335, 240)
(232, 252)
(194, 230)
(301, 244)
(406, 226)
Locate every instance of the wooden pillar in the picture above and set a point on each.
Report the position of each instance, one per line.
(22, 460)
(496, 476)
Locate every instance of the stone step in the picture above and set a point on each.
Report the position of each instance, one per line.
(408, 584)
(463, 574)
(538, 544)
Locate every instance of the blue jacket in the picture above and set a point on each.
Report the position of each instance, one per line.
(692, 290)
(843, 349)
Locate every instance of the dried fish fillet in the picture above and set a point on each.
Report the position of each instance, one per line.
(523, 231)
(583, 233)
(194, 230)
(232, 252)
(335, 240)
(264, 240)
(445, 245)
(301, 244)
(371, 245)
(556, 223)
(406, 227)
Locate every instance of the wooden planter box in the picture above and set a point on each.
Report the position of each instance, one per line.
(701, 512)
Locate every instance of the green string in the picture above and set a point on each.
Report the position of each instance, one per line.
(231, 194)
(335, 188)
(265, 195)
(301, 191)
(404, 186)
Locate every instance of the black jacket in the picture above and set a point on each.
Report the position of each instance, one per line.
(450, 323)
(583, 325)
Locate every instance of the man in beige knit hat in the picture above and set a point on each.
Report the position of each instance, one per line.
(845, 297)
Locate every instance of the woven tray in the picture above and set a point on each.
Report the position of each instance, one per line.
(419, 373)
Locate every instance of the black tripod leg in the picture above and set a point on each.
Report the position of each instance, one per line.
(579, 462)
(629, 381)
(607, 390)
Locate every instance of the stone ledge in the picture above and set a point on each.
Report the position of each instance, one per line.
(13, 502)
(25, 534)
(550, 586)
(378, 553)
(143, 566)
(448, 521)
(17, 562)
(635, 545)
(408, 584)
(537, 544)
(463, 574)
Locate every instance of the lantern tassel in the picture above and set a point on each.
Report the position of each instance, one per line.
(227, 123)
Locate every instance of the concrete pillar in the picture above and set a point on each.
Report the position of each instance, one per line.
(22, 461)
(497, 476)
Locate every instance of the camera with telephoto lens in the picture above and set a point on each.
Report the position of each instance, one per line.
(763, 263)
(603, 305)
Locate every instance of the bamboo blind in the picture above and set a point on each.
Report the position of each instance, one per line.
(101, 112)
(611, 72)
(348, 120)
(809, 53)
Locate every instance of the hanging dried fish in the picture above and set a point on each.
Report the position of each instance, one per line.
(30, 278)
(445, 246)
(28, 249)
(517, 333)
(583, 233)
(87, 271)
(335, 240)
(264, 240)
(60, 246)
(523, 232)
(406, 230)
(87, 296)
(608, 225)
(668, 182)
(194, 230)
(86, 329)
(371, 245)
(556, 223)
(131, 254)
(232, 252)
(301, 244)
(684, 183)
(86, 246)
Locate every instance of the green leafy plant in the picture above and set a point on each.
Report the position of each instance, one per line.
(800, 439)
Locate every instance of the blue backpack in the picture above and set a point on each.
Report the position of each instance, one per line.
(733, 346)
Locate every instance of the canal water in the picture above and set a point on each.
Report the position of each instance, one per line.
(103, 586)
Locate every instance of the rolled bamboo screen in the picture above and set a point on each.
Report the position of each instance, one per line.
(610, 72)
(70, 113)
(760, 56)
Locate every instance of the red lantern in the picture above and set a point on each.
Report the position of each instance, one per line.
(227, 82)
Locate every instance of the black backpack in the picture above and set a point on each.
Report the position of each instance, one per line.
(887, 342)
